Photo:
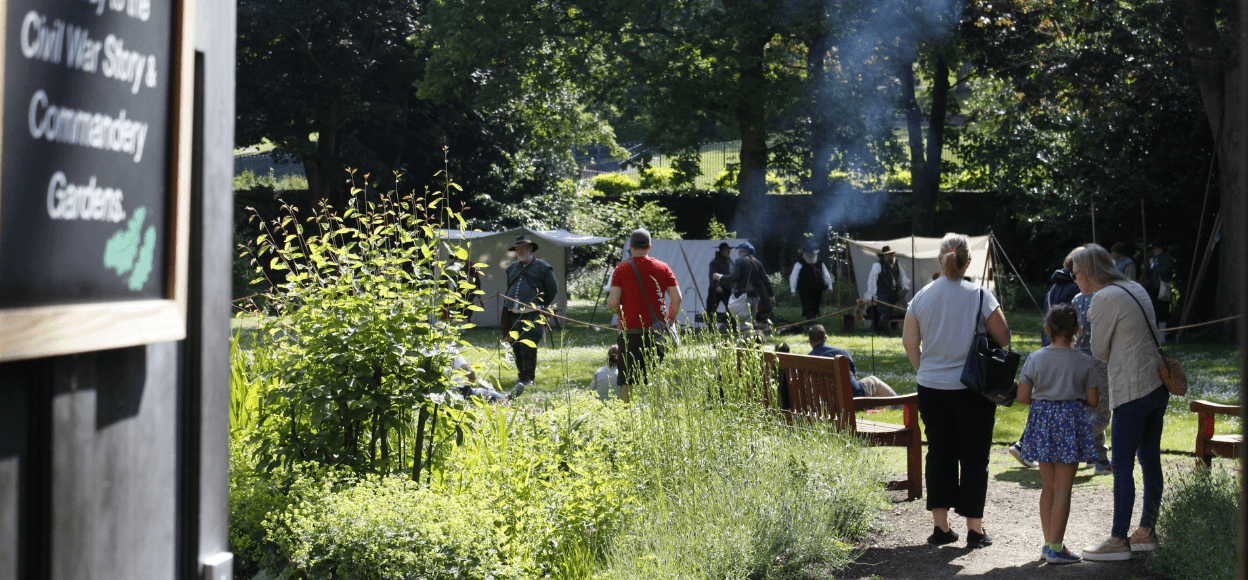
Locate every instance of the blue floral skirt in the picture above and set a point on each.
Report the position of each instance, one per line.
(1058, 432)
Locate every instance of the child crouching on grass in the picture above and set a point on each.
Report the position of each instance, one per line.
(1059, 382)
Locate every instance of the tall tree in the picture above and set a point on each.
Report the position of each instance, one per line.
(1215, 37)
(1096, 104)
(307, 69)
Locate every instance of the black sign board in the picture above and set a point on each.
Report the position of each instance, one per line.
(93, 173)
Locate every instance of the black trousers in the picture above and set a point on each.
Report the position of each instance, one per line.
(811, 300)
(959, 430)
(716, 296)
(526, 361)
(635, 350)
(884, 313)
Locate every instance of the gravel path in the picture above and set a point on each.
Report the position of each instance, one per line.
(1012, 519)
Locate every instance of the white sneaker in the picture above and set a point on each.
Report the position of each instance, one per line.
(1017, 451)
(1110, 550)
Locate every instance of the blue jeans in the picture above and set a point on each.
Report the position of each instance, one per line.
(1136, 428)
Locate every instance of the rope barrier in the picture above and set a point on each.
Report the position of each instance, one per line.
(837, 313)
(1236, 317)
(1202, 323)
(1210, 322)
(549, 312)
(878, 301)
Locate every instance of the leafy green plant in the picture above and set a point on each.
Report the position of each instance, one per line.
(359, 331)
(614, 183)
(587, 283)
(248, 180)
(390, 528)
(554, 476)
(717, 230)
(1197, 526)
(657, 177)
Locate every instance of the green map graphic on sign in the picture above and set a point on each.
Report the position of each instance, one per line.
(125, 253)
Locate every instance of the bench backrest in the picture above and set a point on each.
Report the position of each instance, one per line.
(817, 387)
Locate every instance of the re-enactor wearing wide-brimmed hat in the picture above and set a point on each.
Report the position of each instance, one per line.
(532, 282)
(719, 293)
(887, 283)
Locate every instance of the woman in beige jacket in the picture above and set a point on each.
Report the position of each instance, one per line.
(1122, 318)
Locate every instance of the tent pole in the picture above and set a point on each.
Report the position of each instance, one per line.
(693, 275)
(601, 295)
(1194, 290)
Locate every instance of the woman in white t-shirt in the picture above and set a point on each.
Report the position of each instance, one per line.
(940, 323)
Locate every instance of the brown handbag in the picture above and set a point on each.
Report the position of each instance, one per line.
(1170, 370)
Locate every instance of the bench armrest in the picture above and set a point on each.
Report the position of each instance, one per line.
(860, 403)
(1214, 408)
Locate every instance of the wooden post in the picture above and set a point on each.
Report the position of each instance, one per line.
(1093, 222)
(1146, 256)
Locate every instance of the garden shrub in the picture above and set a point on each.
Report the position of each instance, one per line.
(587, 282)
(555, 477)
(252, 496)
(1198, 525)
(614, 183)
(658, 177)
(692, 207)
(577, 208)
(386, 528)
(248, 180)
(357, 323)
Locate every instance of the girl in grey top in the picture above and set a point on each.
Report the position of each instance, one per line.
(1059, 382)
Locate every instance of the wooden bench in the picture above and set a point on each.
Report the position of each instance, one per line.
(820, 388)
(1206, 442)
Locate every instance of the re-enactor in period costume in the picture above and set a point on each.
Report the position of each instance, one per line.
(532, 282)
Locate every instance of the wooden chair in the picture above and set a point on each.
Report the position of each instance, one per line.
(820, 388)
(1206, 442)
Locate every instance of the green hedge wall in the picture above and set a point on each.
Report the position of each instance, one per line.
(693, 207)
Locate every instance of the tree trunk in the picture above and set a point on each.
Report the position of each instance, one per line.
(322, 170)
(753, 150)
(1219, 62)
(819, 118)
(927, 192)
(324, 174)
(914, 130)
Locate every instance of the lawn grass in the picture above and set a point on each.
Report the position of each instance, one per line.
(1213, 370)
(569, 357)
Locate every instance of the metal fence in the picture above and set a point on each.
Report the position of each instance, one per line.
(594, 160)
(715, 157)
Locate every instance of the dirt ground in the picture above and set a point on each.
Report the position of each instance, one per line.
(901, 551)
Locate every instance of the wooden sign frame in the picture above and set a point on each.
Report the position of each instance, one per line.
(64, 329)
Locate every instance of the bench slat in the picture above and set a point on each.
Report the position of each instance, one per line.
(819, 388)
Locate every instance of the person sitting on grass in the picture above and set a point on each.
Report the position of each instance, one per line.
(471, 386)
(869, 386)
(604, 383)
(1059, 382)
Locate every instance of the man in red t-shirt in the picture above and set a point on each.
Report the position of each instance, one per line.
(639, 306)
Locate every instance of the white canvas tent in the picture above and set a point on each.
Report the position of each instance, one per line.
(917, 256)
(696, 253)
(494, 250)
